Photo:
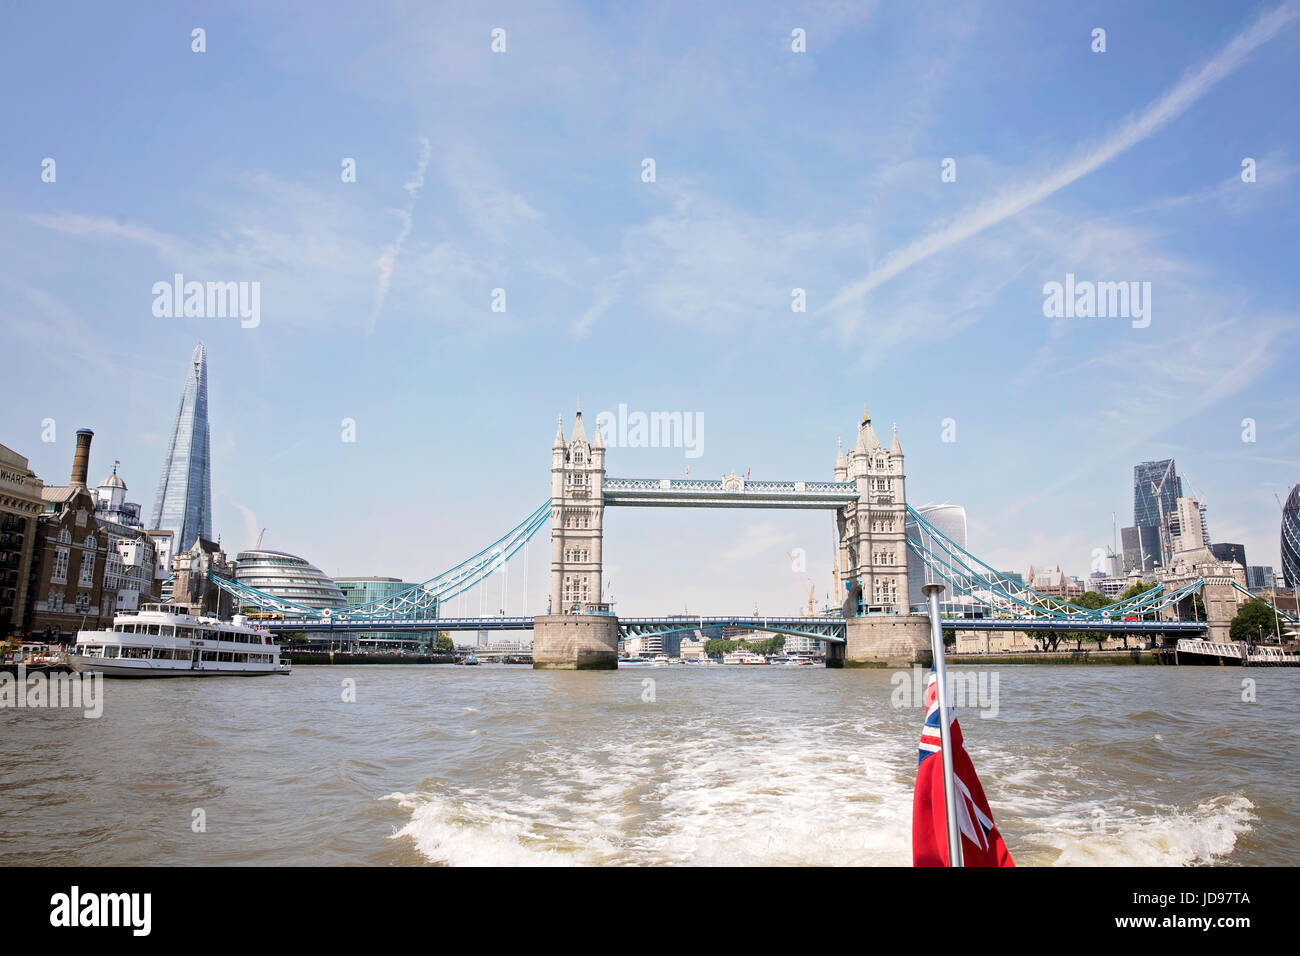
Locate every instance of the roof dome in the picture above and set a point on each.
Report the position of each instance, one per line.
(113, 481)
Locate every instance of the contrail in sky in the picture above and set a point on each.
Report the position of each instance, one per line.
(1174, 102)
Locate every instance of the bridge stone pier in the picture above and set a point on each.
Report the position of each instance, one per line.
(580, 631)
(575, 642)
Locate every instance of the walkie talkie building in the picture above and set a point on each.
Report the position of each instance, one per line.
(183, 504)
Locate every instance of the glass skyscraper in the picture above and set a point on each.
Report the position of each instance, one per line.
(1291, 538)
(1141, 548)
(183, 504)
(1156, 490)
(950, 521)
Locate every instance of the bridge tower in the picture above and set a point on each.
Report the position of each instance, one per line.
(577, 518)
(578, 631)
(1221, 593)
(880, 630)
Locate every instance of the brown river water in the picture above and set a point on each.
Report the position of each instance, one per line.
(501, 765)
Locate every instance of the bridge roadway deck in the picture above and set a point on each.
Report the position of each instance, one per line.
(733, 493)
(823, 628)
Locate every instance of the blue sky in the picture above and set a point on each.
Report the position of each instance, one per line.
(774, 170)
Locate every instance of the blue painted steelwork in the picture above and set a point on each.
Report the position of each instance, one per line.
(1107, 625)
(825, 629)
(960, 570)
(822, 628)
(344, 623)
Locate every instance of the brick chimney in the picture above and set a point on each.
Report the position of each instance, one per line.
(81, 459)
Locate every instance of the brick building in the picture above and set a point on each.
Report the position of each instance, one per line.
(20, 505)
(65, 589)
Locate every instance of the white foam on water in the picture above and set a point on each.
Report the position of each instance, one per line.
(779, 792)
(1206, 834)
(455, 833)
(711, 799)
(792, 802)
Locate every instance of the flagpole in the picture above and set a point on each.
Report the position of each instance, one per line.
(932, 592)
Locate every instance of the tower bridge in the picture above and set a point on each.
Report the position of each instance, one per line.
(867, 497)
(874, 626)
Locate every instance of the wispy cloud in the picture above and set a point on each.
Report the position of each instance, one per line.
(388, 261)
(1011, 201)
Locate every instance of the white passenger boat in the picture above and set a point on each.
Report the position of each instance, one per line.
(742, 656)
(164, 641)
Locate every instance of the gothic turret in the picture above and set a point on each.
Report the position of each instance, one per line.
(867, 440)
(579, 433)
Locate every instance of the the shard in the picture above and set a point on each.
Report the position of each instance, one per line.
(183, 504)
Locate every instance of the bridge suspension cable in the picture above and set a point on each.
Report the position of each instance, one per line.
(420, 601)
(966, 575)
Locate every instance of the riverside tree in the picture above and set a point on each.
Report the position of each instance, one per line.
(1255, 622)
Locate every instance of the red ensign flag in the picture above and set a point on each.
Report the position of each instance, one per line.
(981, 843)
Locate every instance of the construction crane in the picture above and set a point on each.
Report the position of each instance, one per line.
(835, 551)
(812, 598)
(1156, 489)
(258, 546)
(811, 590)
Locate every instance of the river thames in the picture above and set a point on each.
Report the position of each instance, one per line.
(1083, 765)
